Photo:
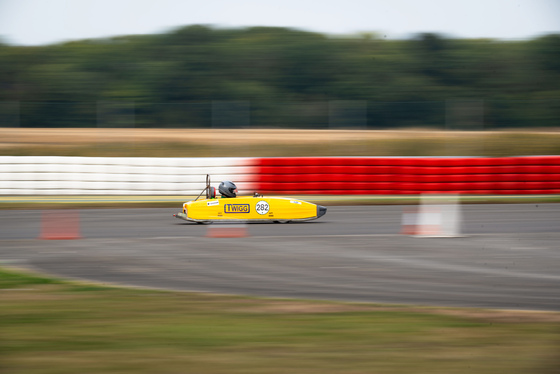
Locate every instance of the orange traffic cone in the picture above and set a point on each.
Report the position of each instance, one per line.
(437, 216)
(60, 225)
(409, 223)
(227, 231)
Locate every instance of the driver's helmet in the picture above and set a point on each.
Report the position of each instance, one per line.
(228, 189)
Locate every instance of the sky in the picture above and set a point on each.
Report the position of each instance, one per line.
(40, 22)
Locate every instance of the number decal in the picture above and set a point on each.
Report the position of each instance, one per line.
(262, 207)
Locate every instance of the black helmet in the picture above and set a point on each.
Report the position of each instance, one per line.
(228, 189)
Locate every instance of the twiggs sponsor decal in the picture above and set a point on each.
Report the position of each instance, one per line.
(237, 208)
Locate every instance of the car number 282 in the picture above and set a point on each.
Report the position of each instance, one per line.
(262, 207)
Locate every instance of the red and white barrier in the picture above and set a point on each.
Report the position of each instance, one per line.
(31, 175)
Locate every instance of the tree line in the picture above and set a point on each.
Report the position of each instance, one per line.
(199, 76)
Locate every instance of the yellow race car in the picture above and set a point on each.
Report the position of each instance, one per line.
(257, 208)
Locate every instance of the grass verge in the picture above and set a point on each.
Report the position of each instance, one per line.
(273, 142)
(50, 325)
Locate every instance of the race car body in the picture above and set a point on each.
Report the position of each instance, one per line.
(250, 209)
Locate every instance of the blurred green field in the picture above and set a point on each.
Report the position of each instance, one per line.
(54, 326)
(273, 142)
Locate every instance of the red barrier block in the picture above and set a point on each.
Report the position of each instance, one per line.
(284, 161)
(540, 177)
(397, 161)
(487, 170)
(378, 178)
(507, 169)
(409, 170)
(311, 178)
(334, 185)
(440, 170)
(345, 161)
(483, 178)
(338, 169)
(411, 175)
(490, 186)
(340, 177)
(360, 186)
(362, 177)
(505, 178)
(316, 161)
(380, 170)
(430, 178)
(325, 161)
(315, 192)
(316, 185)
(357, 161)
(451, 187)
(539, 160)
(445, 178)
(468, 170)
(538, 185)
(538, 192)
(308, 178)
(534, 169)
(502, 161)
(551, 160)
(381, 186)
(475, 161)
(403, 178)
(512, 186)
(463, 186)
(455, 162)
(421, 162)
(453, 170)
(343, 169)
(272, 178)
(451, 162)
(428, 187)
(266, 186)
(361, 169)
(494, 161)
(404, 186)
(302, 161)
(311, 169)
(287, 170)
(266, 170)
(375, 161)
(333, 178)
(361, 192)
(489, 161)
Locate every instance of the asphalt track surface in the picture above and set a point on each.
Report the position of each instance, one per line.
(508, 258)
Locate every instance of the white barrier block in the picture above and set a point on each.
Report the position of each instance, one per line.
(43, 175)
(439, 216)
